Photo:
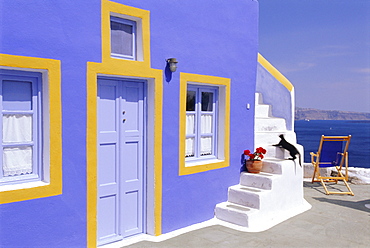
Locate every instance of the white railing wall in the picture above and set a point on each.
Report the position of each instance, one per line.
(276, 91)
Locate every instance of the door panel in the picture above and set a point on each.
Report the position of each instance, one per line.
(107, 106)
(133, 106)
(107, 227)
(121, 160)
(108, 162)
(107, 175)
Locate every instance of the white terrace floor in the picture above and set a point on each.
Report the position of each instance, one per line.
(333, 221)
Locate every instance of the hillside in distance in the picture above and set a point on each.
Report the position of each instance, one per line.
(317, 114)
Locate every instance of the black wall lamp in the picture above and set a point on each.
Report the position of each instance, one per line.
(172, 63)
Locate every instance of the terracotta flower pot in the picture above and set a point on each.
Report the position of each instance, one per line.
(254, 166)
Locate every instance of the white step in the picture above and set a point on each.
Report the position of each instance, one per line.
(254, 220)
(245, 196)
(273, 166)
(274, 152)
(234, 213)
(277, 152)
(262, 110)
(273, 137)
(272, 199)
(258, 98)
(269, 124)
(260, 181)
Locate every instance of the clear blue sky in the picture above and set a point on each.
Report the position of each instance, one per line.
(322, 47)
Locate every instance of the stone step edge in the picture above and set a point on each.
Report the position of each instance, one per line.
(276, 131)
(234, 213)
(261, 174)
(260, 180)
(249, 189)
(246, 196)
(274, 160)
(236, 207)
(269, 118)
(260, 225)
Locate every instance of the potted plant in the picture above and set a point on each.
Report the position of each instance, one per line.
(254, 161)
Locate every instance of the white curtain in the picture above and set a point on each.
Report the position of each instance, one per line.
(17, 128)
(189, 147)
(205, 146)
(190, 129)
(206, 142)
(206, 121)
(17, 160)
(206, 124)
(190, 124)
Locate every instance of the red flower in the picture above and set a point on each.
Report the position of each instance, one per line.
(257, 155)
(260, 150)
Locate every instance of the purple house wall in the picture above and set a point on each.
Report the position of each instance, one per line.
(211, 38)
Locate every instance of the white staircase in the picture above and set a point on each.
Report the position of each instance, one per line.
(263, 200)
(268, 128)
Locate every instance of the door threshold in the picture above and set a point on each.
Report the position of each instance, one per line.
(128, 241)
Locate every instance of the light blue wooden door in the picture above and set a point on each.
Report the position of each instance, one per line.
(121, 159)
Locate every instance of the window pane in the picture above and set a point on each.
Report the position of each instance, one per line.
(207, 101)
(190, 100)
(17, 160)
(17, 128)
(206, 124)
(205, 146)
(122, 38)
(17, 95)
(200, 122)
(189, 147)
(190, 124)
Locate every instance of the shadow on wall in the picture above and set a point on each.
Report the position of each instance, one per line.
(167, 73)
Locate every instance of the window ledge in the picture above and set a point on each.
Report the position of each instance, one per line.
(202, 162)
(196, 166)
(28, 185)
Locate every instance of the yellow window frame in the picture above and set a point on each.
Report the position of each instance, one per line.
(223, 129)
(51, 71)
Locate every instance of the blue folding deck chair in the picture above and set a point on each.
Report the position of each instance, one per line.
(332, 152)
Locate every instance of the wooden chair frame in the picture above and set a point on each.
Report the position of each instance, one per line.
(315, 160)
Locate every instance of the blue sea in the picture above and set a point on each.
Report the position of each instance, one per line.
(309, 134)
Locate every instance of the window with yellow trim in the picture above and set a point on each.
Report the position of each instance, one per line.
(31, 146)
(204, 123)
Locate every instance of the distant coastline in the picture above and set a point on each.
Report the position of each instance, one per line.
(317, 114)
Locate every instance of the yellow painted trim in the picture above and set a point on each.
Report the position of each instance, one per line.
(91, 156)
(274, 72)
(139, 15)
(55, 118)
(185, 78)
(122, 68)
